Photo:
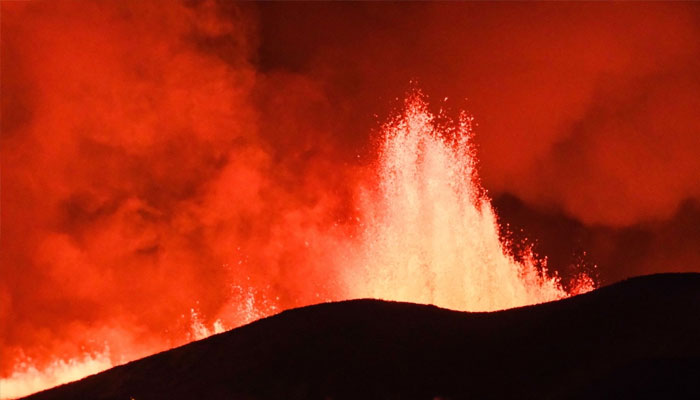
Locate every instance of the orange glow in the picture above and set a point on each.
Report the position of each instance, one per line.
(27, 379)
(428, 234)
(172, 169)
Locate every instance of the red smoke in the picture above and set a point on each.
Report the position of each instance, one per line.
(556, 89)
(137, 184)
(162, 157)
(584, 112)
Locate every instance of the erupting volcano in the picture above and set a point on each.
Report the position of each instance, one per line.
(173, 170)
(428, 234)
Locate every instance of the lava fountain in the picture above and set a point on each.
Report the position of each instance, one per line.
(430, 234)
(427, 234)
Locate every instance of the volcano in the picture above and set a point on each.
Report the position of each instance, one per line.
(637, 338)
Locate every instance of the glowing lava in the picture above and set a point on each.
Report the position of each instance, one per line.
(428, 235)
(431, 235)
(27, 379)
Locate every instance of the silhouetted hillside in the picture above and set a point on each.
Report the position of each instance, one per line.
(638, 338)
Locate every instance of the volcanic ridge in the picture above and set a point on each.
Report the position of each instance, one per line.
(638, 338)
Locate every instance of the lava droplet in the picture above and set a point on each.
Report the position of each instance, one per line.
(431, 235)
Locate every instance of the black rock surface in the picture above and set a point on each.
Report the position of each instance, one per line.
(635, 339)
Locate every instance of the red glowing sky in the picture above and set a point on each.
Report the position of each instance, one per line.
(155, 152)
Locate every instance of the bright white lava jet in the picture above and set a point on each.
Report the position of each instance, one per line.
(430, 233)
(429, 236)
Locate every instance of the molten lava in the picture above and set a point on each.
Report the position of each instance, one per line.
(428, 234)
(27, 379)
(431, 235)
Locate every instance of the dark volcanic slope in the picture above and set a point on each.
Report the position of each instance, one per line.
(637, 338)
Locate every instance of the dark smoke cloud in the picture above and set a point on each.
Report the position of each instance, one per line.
(609, 254)
(155, 152)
